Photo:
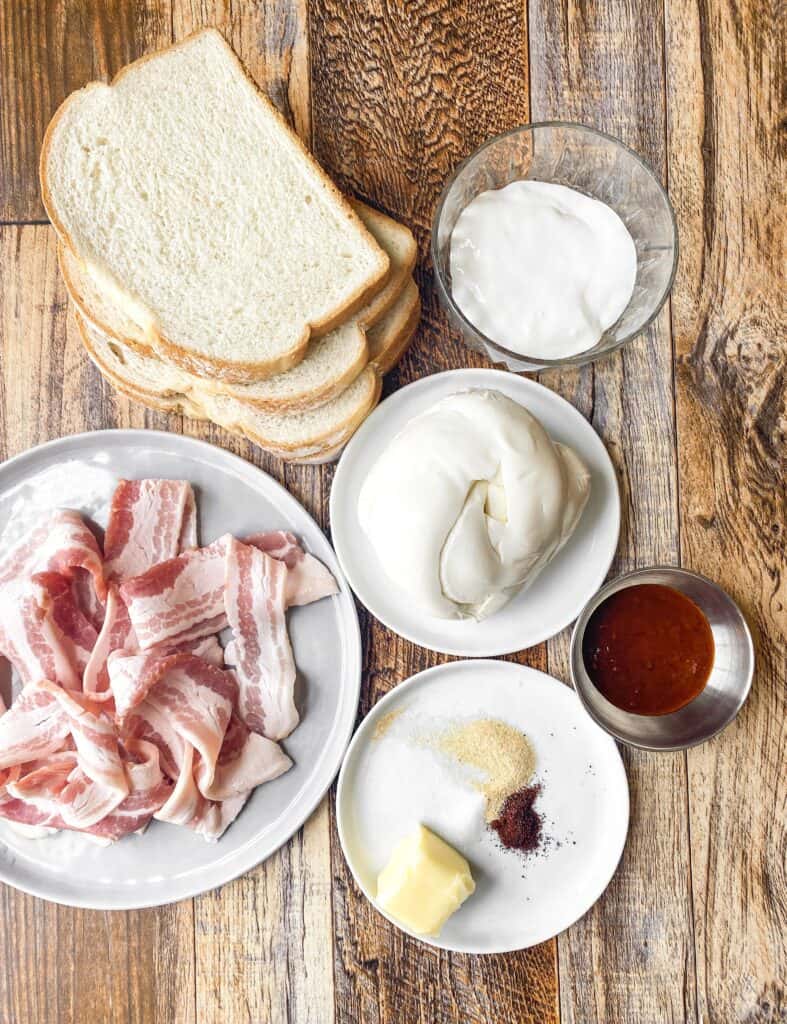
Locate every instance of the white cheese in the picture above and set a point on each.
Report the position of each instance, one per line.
(469, 502)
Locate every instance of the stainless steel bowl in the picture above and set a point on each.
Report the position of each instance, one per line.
(726, 689)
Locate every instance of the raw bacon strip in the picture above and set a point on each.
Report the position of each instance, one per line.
(59, 542)
(44, 714)
(189, 808)
(183, 598)
(53, 799)
(165, 508)
(86, 598)
(194, 697)
(42, 632)
(41, 805)
(308, 579)
(255, 603)
(24, 813)
(118, 637)
(198, 699)
(41, 719)
(34, 726)
(148, 723)
(185, 801)
(246, 760)
(117, 634)
(77, 631)
(148, 791)
(133, 676)
(93, 733)
(188, 528)
(146, 522)
(215, 818)
(180, 598)
(61, 788)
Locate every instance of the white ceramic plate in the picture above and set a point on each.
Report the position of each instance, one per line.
(169, 863)
(388, 784)
(561, 591)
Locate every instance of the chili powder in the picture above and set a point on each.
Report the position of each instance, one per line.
(519, 825)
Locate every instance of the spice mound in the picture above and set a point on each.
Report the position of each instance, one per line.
(385, 723)
(499, 752)
(519, 825)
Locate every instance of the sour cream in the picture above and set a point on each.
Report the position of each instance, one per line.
(541, 269)
(469, 502)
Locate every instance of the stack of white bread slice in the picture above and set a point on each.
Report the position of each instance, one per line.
(215, 269)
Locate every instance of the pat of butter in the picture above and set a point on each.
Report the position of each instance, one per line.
(424, 882)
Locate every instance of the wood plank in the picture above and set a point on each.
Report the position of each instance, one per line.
(145, 971)
(727, 179)
(49, 48)
(400, 94)
(631, 957)
(264, 943)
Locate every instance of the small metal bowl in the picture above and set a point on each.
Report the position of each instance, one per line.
(727, 687)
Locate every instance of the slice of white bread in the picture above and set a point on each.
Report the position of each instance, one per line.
(383, 356)
(390, 338)
(292, 436)
(313, 435)
(383, 344)
(202, 216)
(330, 364)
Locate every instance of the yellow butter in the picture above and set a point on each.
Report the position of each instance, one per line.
(424, 882)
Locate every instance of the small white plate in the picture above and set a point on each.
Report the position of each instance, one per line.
(561, 591)
(388, 785)
(169, 863)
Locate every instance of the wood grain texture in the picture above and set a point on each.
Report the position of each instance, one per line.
(400, 94)
(49, 48)
(727, 170)
(632, 957)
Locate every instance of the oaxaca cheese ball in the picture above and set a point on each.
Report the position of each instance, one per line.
(424, 882)
(469, 502)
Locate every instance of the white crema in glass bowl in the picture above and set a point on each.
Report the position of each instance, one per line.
(541, 268)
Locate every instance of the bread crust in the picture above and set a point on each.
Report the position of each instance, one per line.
(290, 403)
(384, 362)
(379, 306)
(391, 352)
(237, 372)
(188, 405)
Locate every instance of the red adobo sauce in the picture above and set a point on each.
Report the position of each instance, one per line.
(648, 649)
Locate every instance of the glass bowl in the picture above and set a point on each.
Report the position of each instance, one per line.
(590, 162)
(725, 692)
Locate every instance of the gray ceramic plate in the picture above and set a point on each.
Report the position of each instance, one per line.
(169, 863)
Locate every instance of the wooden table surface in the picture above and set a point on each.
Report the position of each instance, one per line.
(391, 95)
